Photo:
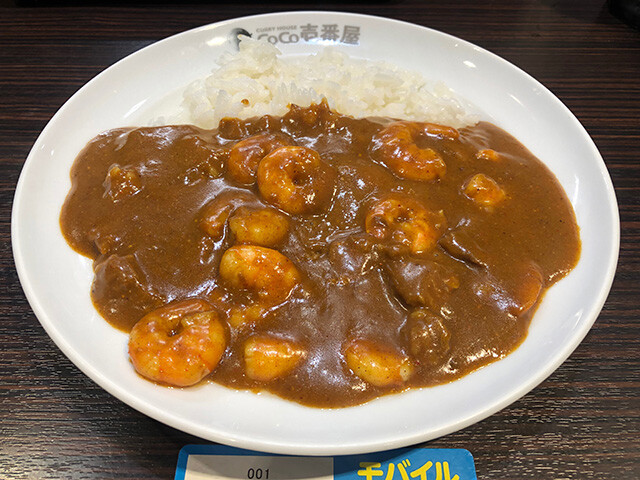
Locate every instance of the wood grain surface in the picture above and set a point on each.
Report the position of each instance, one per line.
(583, 422)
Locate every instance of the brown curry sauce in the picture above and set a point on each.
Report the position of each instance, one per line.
(464, 303)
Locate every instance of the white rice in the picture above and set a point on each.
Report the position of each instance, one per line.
(259, 75)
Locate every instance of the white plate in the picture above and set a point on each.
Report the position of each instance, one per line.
(135, 90)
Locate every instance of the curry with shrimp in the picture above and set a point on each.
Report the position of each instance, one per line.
(326, 259)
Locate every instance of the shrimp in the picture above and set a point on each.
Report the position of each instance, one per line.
(296, 180)
(245, 156)
(484, 191)
(178, 344)
(405, 222)
(248, 221)
(259, 226)
(267, 358)
(216, 213)
(528, 292)
(265, 275)
(378, 365)
(515, 300)
(395, 146)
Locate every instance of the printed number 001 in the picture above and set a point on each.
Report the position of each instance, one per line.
(258, 474)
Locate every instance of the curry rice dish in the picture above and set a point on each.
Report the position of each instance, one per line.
(326, 259)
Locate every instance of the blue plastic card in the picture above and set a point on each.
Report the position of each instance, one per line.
(217, 462)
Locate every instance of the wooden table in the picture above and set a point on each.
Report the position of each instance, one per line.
(581, 423)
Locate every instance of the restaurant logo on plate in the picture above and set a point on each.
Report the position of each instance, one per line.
(320, 33)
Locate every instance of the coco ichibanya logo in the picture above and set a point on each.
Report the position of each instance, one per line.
(325, 33)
